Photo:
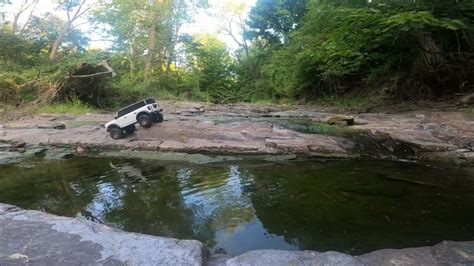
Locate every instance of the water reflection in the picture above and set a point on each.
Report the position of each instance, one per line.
(105, 201)
(349, 206)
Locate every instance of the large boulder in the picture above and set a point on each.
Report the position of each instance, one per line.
(37, 238)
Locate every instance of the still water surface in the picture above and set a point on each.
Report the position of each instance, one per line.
(347, 206)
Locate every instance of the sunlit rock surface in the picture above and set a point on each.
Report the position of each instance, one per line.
(445, 253)
(32, 237)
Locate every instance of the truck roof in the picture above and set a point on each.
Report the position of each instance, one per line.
(134, 106)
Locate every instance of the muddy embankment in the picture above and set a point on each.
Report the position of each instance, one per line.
(262, 130)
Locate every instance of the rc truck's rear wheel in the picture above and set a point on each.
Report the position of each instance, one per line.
(144, 120)
(130, 129)
(158, 118)
(116, 133)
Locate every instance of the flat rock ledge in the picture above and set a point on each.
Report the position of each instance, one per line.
(37, 238)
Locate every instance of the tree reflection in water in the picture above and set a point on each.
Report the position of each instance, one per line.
(350, 206)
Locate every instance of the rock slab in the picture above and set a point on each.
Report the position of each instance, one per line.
(37, 238)
(444, 253)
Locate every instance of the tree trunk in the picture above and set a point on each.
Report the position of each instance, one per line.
(151, 44)
(25, 5)
(252, 66)
(58, 41)
(15, 22)
(133, 56)
(67, 26)
(30, 16)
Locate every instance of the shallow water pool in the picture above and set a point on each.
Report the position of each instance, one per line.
(344, 205)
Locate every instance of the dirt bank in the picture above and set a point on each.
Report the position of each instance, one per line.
(251, 129)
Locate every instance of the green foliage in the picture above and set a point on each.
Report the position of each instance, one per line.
(347, 101)
(274, 19)
(210, 61)
(74, 106)
(17, 50)
(308, 126)
(337, 46)
(8, 85)
(290, 50)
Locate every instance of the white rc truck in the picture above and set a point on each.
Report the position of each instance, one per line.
(144, 112)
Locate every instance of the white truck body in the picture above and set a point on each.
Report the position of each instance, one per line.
(129, 115)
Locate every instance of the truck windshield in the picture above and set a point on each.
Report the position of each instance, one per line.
(150, 101)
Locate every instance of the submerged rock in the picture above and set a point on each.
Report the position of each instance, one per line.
(19, 144)
(5, 146)
(10, 158)
(36, 151)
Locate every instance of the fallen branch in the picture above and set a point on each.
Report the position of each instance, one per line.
(104, 64)
(110, 69)
(93, 75)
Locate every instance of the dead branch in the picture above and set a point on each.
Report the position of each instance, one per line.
(110, 69)
(103, 63)
(92, 75)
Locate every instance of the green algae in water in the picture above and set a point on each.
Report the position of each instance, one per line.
(347, 206)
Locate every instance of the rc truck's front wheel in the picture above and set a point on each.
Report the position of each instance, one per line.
(158, 118)
(116, 133)
(144, 120)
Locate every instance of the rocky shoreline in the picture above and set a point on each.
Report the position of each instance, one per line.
(214, 133)
(76, 241)
(263, 130)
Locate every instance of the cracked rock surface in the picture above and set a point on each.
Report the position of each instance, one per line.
(32, 237)
(251, 129)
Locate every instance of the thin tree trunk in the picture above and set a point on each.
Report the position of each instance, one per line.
(15, 22)
(58, 41)
(133, 56)
(151, 45)
(67, 26)
(30, 16)
(25, 5)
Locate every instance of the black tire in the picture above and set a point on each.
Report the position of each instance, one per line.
(158, 118)
(130, 129)
(116, 133)
(144, 120)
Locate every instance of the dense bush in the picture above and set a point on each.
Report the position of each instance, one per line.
(340, 48)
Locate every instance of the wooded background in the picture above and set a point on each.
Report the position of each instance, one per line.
(287, 49)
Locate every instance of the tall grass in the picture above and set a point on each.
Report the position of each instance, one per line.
(75, 107)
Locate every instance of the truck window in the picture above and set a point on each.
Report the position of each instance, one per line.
(131, 108)
(150, 101)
